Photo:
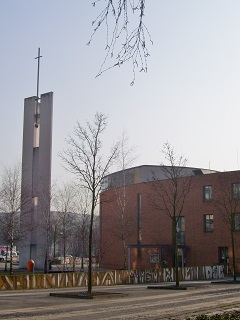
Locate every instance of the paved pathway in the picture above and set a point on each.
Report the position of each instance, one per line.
(141, 303)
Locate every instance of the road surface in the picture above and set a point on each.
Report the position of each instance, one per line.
(140, 303)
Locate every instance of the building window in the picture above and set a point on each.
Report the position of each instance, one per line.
(180, 229)
(208, 222)
(207, 193)
(236, 191)
(237, 221)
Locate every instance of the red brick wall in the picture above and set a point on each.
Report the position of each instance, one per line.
(156, 227)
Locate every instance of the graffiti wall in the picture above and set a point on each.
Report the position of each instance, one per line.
(107, 278)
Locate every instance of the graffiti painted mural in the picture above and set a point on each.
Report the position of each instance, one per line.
(108, 278)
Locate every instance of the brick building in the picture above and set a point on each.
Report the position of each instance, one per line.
(130, 223)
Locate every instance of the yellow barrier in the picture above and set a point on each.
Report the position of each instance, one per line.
(79, 279)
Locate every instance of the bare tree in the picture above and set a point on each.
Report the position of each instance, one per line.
(126, 33)
(82, 223)
(54, 232)
(226, 199)
(10, 204)
(64, 202)
(84, 158)
(121, 199)
(169, 196)
(54, 224)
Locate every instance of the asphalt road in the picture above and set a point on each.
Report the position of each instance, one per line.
(140, 303)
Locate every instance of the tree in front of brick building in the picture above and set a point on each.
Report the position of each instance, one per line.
(169, 195)
(86, 159)
(226, 199)
(121, 199)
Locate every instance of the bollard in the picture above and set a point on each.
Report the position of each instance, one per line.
(30, 266)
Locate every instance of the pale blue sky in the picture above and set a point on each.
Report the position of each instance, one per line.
(189, 97)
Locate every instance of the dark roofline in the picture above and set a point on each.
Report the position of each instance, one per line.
(155, 165)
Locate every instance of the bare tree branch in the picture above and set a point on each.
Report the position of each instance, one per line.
(126, 35)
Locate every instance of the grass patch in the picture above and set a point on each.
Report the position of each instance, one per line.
(17, 272)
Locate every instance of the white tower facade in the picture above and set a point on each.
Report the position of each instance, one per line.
(36, 180)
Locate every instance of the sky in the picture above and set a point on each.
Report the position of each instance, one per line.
(189, 97)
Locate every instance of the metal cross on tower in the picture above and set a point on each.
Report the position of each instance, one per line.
(37, 97)
(38, 57)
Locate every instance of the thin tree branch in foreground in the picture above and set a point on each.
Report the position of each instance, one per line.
(126, 34)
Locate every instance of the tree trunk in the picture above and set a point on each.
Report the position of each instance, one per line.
(54, 242)
(90, 247)
(234, 259)
(74, 263)
(64, 252)
(45, 262)
(175, 251)
(83, 250)
(124, 253)
(6, 259)
(11, 257)
(124, 246)
(54, 248)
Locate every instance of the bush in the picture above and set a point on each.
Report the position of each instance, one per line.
(234, 315)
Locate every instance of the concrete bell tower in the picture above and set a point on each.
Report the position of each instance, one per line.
(36, 179)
